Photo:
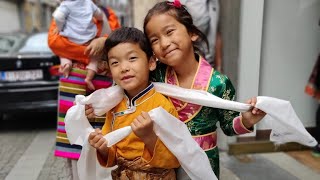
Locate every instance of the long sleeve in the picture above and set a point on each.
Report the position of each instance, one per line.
(60, 18)
(111, 161)
(230, 121)
(98, 14)
(162, 157)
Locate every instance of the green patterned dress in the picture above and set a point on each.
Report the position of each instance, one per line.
(200, 120)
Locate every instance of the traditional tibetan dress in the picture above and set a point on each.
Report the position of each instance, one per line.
(130, 154)
(202, 121)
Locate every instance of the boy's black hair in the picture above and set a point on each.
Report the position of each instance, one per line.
(127, 35)
(181, 15)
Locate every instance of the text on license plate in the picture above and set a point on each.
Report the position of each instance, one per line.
(21, 75)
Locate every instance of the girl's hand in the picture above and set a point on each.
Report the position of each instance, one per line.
(95, 48)
(89, 111)
(252, 116)
(97, 141)
(142, 127)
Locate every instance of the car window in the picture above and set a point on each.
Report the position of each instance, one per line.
(9, 43)
(36, 43)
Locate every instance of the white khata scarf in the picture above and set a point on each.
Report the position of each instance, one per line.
(280, 118)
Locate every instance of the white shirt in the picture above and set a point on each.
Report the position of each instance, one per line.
(74, 19)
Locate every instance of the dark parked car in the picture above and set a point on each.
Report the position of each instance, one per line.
(28, 74)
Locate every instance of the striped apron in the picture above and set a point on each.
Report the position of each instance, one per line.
(68, 89)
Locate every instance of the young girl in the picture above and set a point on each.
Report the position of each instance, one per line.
(174, 39)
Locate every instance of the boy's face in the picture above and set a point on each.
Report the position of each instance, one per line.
(130, 67)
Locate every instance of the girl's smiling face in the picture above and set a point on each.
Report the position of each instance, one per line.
(170, 40)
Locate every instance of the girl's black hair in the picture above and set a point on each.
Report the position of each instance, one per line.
(127, 35)
(181, 15)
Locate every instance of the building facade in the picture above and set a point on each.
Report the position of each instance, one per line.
(35, 15)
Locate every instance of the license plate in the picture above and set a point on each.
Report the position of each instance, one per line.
(21, 75)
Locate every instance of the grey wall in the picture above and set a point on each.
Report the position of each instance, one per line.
(229, 25)
(9, 17)
(290, 46)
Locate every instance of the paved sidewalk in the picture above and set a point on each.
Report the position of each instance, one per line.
(266, 166)
(29, 156)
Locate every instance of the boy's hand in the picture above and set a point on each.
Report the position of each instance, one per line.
(252, 116)
(97, 141)
(89, 111)
(142, 127)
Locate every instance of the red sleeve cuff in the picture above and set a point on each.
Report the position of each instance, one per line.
(238, 126)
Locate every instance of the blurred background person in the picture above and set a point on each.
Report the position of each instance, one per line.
(205, 14)
(75, 84)
(79, 28)
(313, 90)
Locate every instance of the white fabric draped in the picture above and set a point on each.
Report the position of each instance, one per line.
(280, 118)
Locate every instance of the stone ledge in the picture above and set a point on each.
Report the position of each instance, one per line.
(263, 147)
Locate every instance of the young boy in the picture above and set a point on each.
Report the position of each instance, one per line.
(74, 20)
(141, 155)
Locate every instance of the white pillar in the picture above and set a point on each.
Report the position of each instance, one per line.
(251, 24)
